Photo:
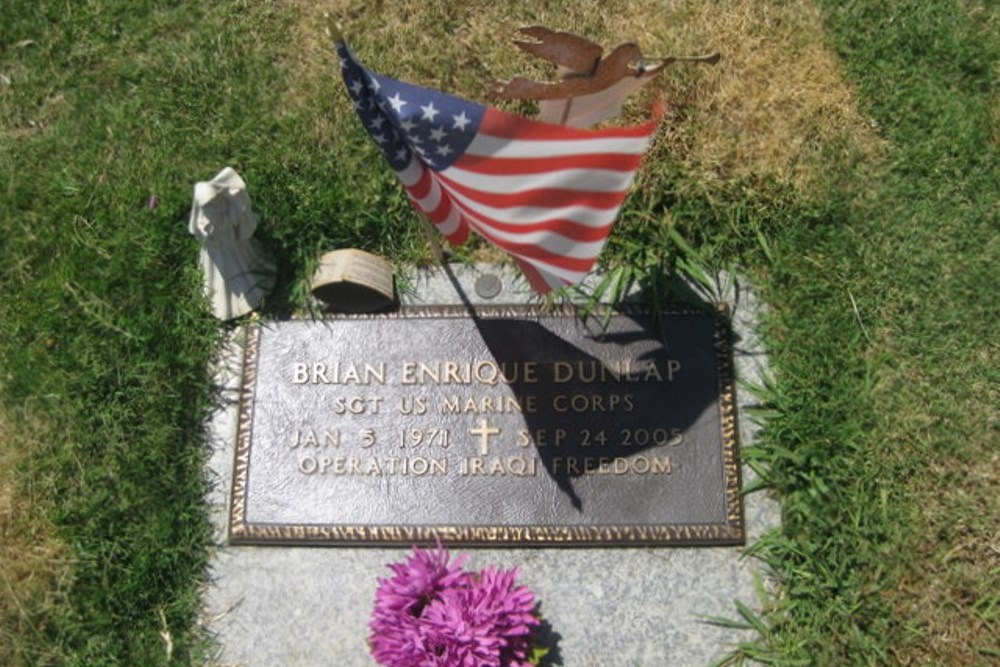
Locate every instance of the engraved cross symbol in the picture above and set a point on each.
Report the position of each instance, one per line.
(484, 431)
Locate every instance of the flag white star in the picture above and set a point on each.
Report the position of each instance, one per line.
(373, 84)
(379, 138)
(376, 123)
(437, 134)
(397, 103)
(461, 120)
(408, 125)
(429, 112)
(402, 154)
(357, 87)
(444, 150)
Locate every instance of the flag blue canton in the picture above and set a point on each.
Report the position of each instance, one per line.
(404, 119)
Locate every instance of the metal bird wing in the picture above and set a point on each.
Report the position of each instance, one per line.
(592, 87)
(572, 53)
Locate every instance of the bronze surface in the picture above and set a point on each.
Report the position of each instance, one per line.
(512, 426)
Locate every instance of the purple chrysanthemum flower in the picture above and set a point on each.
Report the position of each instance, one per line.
(397, 639)
(433, 614)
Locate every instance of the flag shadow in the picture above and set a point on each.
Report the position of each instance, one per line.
(590, 409)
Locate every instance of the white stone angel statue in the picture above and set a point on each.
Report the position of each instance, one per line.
(237, 274)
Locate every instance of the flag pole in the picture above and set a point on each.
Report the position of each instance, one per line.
(565, 113)
(333, 30)
(431, 236)
(708, 59)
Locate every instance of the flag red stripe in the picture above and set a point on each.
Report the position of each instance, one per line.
(571, 229)
(560, 226)
(458, 236)
(422, 187)
(549, 197)
(446, 205)
(502, 166)
(418, 193)
(580, 264)
(577, 264)
(534, 277)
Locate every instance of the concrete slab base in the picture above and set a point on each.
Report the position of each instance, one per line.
(310, 606)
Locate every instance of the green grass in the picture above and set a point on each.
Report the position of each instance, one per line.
(881, 439)
(104, 331)
(105, 338)
(879, 280)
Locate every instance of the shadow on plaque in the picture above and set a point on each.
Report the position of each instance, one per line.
(512, 341)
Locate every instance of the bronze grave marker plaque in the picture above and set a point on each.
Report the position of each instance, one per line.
(515, 426)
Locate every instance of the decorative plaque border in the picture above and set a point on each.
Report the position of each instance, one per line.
(731, 532)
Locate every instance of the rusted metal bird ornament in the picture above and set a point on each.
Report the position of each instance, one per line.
(593, 87)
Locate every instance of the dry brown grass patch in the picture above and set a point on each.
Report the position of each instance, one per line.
(34, 567)
(778, 99)
(951, 591)
(771, 107)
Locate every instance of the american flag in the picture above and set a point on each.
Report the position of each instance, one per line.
(546, 194)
